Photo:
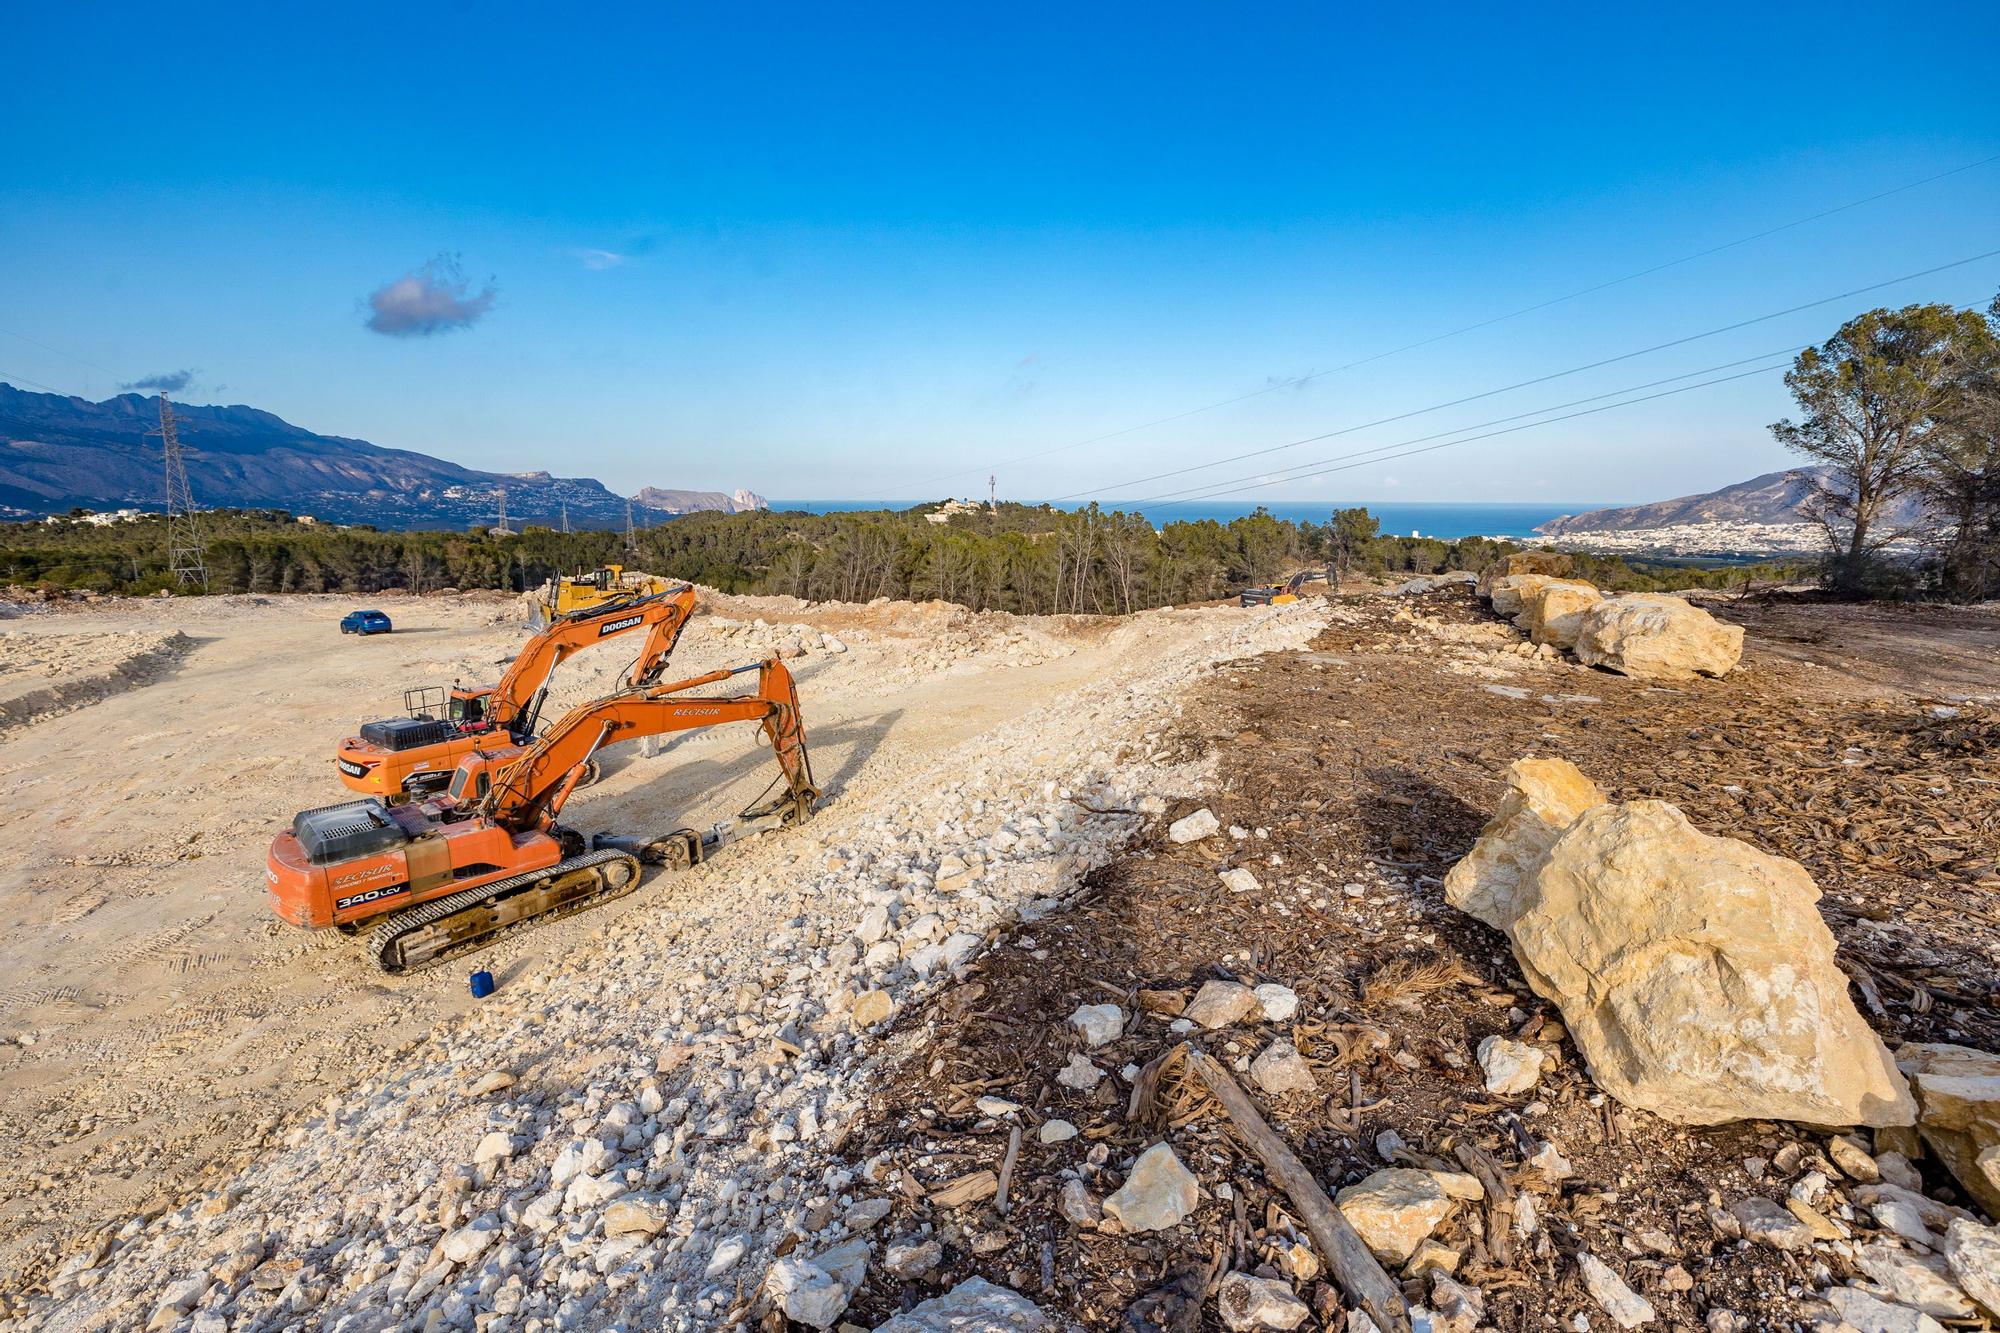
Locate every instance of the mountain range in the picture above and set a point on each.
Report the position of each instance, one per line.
(59, 452)
(1775, 497)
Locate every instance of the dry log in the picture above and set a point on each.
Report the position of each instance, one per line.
(1499, 1200)
(1007, 1169)
(1357, 1271)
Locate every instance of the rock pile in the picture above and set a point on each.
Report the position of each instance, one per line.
(1958, 1113)
(1651, 636)
(1694, 972)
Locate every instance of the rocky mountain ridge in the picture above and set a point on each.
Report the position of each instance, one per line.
(1773, 498)
(58, 452)
(738, 501)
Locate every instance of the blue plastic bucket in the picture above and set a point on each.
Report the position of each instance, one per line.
(482, 985)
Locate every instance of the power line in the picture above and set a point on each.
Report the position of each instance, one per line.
(1322, 467)
(1485, 323)
(1301, 471)
(23, 379)
(1538, 379)
(1758, 360)
(80, 360)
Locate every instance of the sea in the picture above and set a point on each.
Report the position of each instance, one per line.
(1399, 518)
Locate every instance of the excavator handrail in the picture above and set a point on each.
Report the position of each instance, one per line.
(531, 790)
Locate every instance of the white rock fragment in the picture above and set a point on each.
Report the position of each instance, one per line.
(497, 1146)
(806, 1292)
(1868, 1313)
(1098, 1024)
(909, 1259)
(1076, 1203)
(1921, 1283)
(1238, 879)
(1079, 1074)
(469, 1242)
(1158, 1193)
(725, 1256)
(1973, 1253)
(1510, 1066)
(1763, 1220)
(1394, 1210)
(1627, 1308)
(1280, 1069)
(1057, 1131)
(1220, 1003)
(1248, 1304)
(1278, 1003)
(1193, 828)
(973, 1306)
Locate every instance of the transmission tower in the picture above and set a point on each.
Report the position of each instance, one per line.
(992, 494)
(565, 505)
(503, 530)
(185, 552)
(631, 537)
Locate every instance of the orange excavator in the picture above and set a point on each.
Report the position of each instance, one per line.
(417, 753)
(449, 873)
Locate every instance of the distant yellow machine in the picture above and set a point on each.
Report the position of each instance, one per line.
(584, 591)
(1281, 594)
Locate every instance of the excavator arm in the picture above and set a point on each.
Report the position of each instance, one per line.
(530, 792)
(664, 615)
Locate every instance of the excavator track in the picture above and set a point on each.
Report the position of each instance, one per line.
(429, 932)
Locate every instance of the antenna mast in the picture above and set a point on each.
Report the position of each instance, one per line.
(185, 551)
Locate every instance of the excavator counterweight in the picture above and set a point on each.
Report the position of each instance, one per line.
(449, 873)
(394, 757)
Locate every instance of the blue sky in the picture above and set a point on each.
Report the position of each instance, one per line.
(846, 251)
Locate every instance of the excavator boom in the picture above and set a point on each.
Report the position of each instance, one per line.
(394, 756)
(664, 614)
(450, 873)
(531, 790)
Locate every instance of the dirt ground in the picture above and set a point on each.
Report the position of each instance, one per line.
(155, 1017)
(1864, 743)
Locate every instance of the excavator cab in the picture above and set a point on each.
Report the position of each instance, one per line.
(467, 706)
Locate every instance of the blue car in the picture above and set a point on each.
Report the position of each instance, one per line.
(365, 622)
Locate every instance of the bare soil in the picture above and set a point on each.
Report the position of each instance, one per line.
(1361, 769)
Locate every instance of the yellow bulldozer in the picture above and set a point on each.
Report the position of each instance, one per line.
(580, 592)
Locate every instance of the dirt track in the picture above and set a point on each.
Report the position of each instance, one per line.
(157, 1016)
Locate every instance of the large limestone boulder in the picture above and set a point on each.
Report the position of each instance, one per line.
(1511, 592)
(1697, 977)
(1544, 797)
(1554, 613)
(1655, 636)
(1553, 563)
(1958, 1112)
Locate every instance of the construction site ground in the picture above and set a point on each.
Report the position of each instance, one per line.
(1864, 742)
(159, 1026)
(155, 1017)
